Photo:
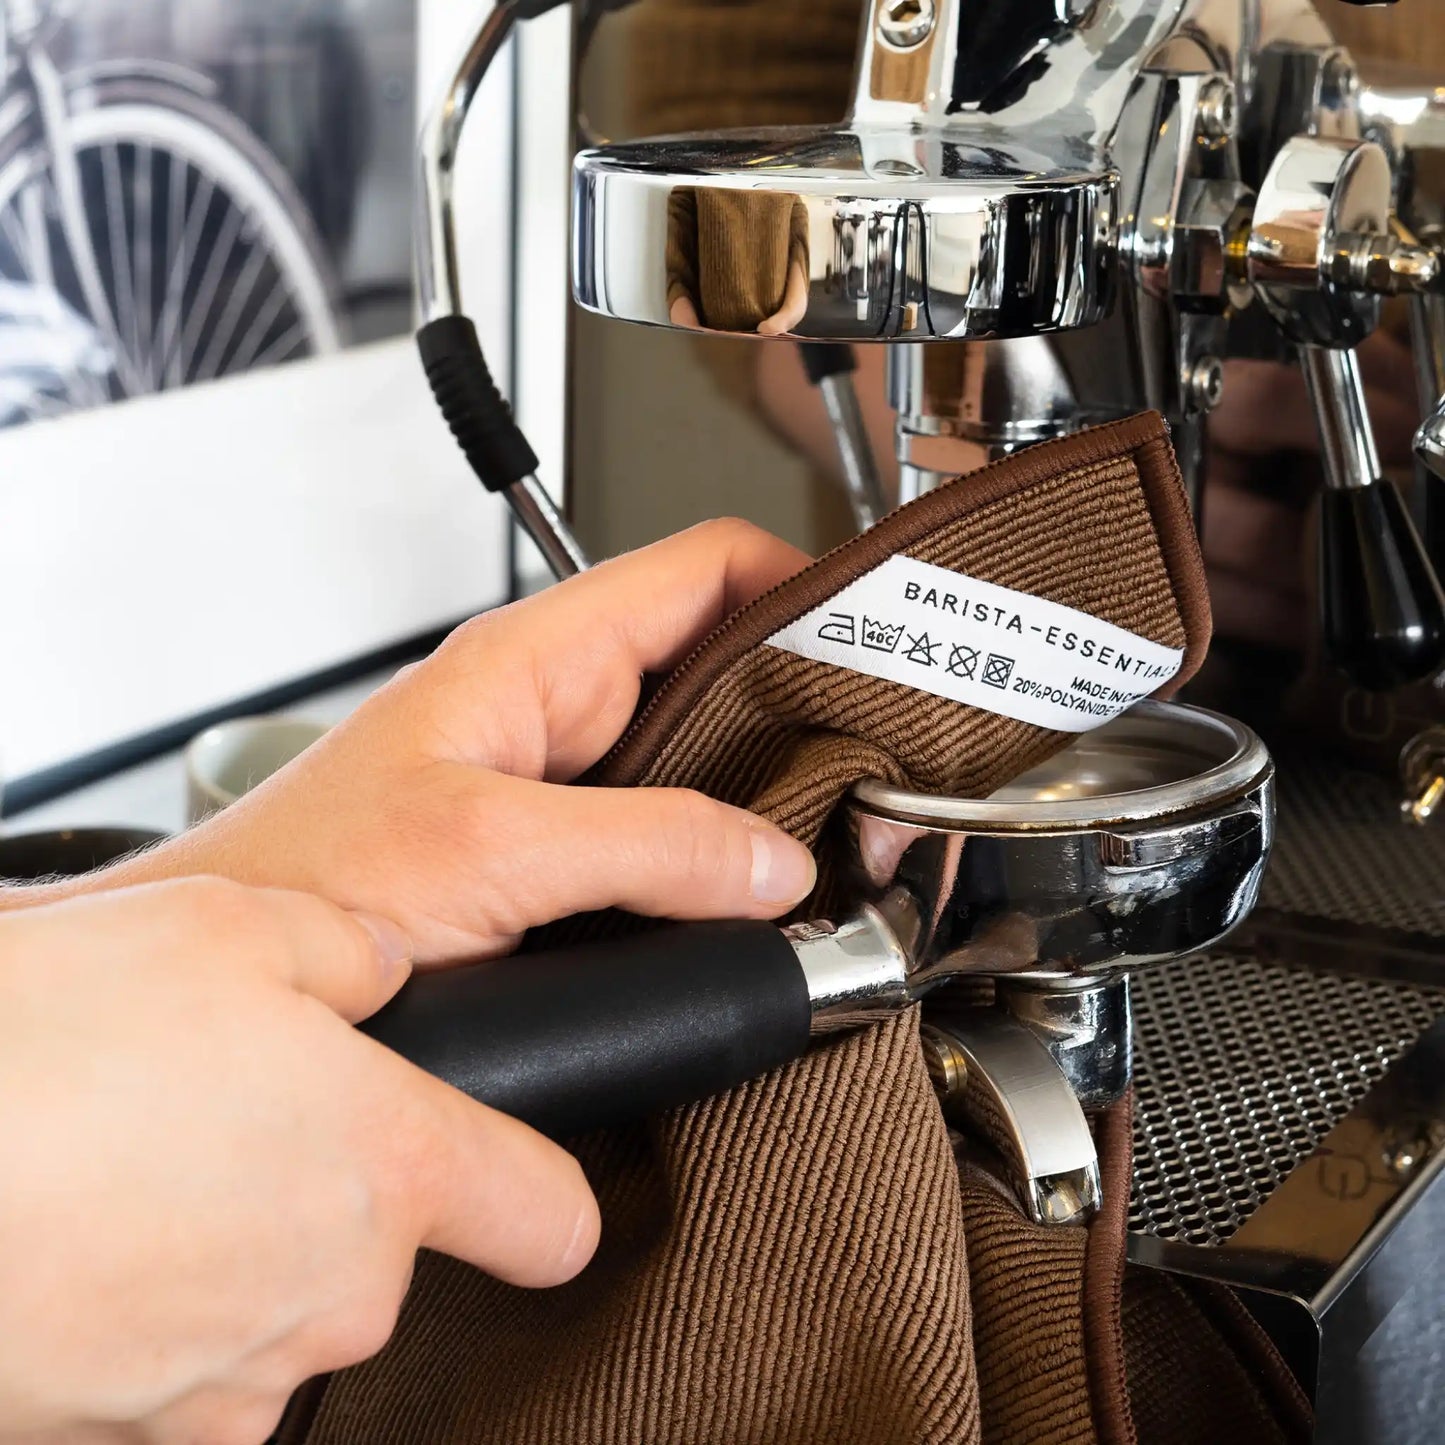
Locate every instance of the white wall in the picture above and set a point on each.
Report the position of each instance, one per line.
(543, 197)
(165, 556)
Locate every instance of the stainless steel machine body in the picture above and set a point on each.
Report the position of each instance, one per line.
(1046, 214)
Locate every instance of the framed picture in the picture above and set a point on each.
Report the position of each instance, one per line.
(220, 469)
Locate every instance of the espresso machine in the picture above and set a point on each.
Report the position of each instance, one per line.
(1028, 217)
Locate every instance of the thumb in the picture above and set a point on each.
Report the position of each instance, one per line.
(664, 852)
(352, 962)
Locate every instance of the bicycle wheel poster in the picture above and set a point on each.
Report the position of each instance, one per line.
(195, 189)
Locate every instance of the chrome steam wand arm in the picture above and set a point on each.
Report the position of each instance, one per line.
(1321, 250)
(451, 350)
(831, 369)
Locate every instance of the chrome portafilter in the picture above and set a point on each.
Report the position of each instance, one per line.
(1141, 843)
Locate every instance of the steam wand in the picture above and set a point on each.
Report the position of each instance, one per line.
(831, 368)
(479, 416)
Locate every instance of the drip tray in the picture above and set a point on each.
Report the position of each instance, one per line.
(1242, 1069)
(1290, 1109)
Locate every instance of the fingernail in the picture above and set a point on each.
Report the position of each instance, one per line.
(392, 942)
(783, 870)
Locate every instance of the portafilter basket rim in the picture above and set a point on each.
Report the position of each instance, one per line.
(1243, 762)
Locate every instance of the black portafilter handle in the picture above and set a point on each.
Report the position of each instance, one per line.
(602, 1034)
(1383, 610)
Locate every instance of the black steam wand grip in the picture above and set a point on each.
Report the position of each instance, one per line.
(490, 438)
(1383, 608)
(602, 1034)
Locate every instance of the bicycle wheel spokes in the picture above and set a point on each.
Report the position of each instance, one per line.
(35, 207)
(122, 267)
(196, 203)
(202, 248)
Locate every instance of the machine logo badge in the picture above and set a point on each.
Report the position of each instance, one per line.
(963, 662)
(997, 670)
(840, 627)
(881, 636)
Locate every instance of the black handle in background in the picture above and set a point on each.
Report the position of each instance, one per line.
(1432, 517)
(1384, 613)
(822, 359)
(602, 1034)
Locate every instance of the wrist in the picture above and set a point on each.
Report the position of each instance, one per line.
(177, 857)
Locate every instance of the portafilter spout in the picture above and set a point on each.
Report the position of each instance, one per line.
(1142, 842)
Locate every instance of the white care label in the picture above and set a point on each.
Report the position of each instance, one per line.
(988, 646)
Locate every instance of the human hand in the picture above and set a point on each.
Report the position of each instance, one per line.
(682, 311)
(794, 305)
(214, 1187)
(437, 803)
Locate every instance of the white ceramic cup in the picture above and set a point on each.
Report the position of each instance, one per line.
(230, 759)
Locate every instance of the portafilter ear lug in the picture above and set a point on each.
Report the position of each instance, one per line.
(999, 1080)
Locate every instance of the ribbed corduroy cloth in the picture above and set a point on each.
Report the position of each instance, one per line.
(1200, 1368)
(791, 1263)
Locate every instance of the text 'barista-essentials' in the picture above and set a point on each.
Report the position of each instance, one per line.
(975, 642)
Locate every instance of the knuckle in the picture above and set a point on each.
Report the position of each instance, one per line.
(475, 635)
(363, 1331)
(700, 839)
(214, 1417)
(732, 532)
(251, 1424)
(211, 904)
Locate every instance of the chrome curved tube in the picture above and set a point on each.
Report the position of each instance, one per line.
(438, 275)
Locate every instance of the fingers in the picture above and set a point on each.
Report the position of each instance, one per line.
(580, 648)
(492, 1191)
(794, 306)
(683, 313)
(663, 852)
(1254, 536)
(1249, 609)
(353, 963)
(1266, 409)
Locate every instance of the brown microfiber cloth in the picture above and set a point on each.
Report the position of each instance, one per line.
(802, 1260)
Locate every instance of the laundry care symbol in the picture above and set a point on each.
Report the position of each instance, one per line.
(921, 648)
(997, 670)
(881, 636)
(840, 627)
(963, 662)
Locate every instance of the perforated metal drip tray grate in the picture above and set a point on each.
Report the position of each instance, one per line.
(1243, 1065)
(1341, 853)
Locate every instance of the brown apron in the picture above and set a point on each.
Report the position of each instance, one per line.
(808, 1258)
